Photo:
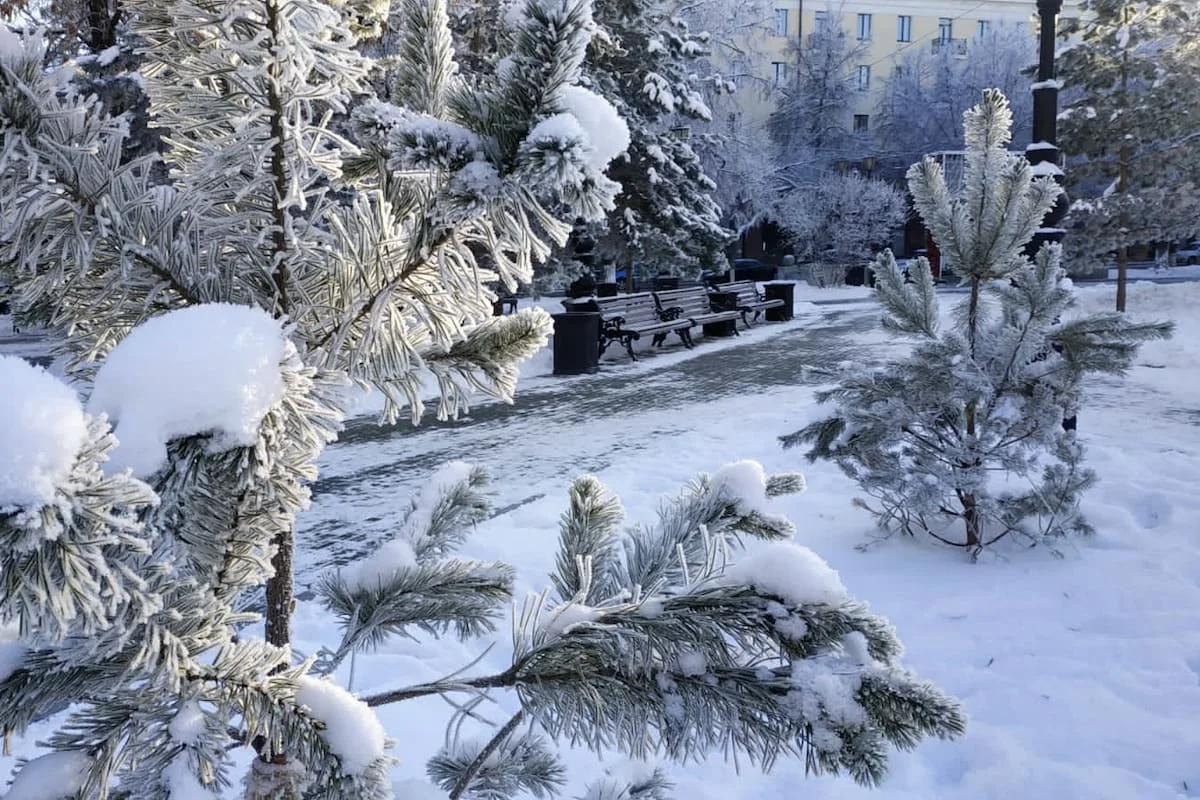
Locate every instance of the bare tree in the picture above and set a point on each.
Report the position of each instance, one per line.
(921, 108)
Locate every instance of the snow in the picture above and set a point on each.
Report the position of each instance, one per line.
(210, 368)
(1050, 84)
(42, 428)
(603, 126)
(188, 725)
(1046, 168)
(1040, 145)
(12, 651)
(351, 730)
(746, 484)
(11, 45)
(789, 571)
(54, 776)
(564, 618)
(182, 782)
(108, 55)
(380, 567)
(560, 128)
(692, 663)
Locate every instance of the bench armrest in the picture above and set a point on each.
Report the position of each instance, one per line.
(670, 314)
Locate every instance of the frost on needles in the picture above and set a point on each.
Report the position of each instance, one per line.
(963, 438)
(655, 641)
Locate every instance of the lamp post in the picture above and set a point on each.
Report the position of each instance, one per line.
(1043, 152)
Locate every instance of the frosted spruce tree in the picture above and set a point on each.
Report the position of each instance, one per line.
(963, 439)
(644, 62)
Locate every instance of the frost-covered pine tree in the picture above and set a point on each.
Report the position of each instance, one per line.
(127, 556)
(366, 249)
(1134, 73)
(963, 439)
(380, 279)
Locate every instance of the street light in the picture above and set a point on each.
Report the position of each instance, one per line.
(1043, 152)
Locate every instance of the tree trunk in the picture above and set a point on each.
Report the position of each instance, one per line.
(101, 25)
(1123, 155)
(279, 587)
(1123, 248)
(971, 518)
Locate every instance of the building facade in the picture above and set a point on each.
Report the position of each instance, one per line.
(888, 32)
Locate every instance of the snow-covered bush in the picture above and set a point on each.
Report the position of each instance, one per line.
(969, 426)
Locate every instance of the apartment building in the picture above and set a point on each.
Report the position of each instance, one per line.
(888, 31)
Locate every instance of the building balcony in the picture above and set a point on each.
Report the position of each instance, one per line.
(956, 47)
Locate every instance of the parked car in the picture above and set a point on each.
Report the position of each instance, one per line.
(751, 269)
(1188, 254)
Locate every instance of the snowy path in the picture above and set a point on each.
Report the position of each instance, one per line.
(574, 425)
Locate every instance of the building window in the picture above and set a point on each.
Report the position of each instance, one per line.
(779, 72)
(821, 22)
(981, 28)
(903, 29)
(861, 123)
(945, 29)
(864, 26)
(781, 22)
(738, 68)
(899, 70)
(864, 77)
(682, 133)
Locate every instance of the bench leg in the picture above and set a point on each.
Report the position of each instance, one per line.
(628, 342)
(686, 335)
(659, 339)
(745, 319)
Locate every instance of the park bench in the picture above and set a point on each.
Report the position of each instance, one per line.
(748, 299)
(505, 303)
(628, 317)
(694, 304)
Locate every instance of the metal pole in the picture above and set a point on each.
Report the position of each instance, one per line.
(1043, 152)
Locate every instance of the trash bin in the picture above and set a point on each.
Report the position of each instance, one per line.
(664, 282)
(576, 342)
(721, 301)
(607, 289)
(780, 290)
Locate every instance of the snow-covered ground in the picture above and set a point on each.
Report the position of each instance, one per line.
(1080, 671)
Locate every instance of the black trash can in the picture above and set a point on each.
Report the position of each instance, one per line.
(722, 301)
(780, 290)
(576, 342)
(663, 283)
(607, 289)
